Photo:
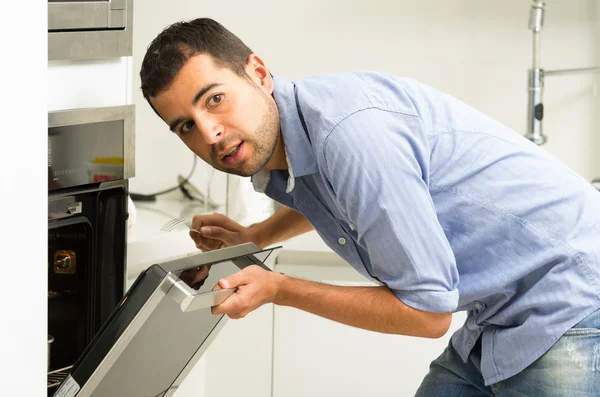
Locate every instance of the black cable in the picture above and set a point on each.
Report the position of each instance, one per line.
(152, 197)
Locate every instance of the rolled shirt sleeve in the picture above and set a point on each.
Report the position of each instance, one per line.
(377, 164)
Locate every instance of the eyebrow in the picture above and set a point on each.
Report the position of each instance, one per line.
(197, 97)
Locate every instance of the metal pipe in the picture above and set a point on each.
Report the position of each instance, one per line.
(536, 50)
(571, 71)
(536, 21)
(535, 107)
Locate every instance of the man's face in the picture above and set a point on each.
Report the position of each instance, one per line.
(229, 121)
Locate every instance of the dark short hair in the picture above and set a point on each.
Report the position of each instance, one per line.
(168, 52)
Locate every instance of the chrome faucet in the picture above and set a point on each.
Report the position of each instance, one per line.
(535, 106)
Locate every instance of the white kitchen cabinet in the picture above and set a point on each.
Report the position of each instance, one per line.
(238, 362)
(240, 359)
(318, 357)
(193, 384)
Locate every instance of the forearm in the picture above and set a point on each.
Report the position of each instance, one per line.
(372, 308)
(284, 224)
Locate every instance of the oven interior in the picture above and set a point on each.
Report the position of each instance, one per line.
(86, 271)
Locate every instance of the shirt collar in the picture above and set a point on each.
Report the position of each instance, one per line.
(299, 152)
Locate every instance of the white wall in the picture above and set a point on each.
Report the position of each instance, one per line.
(479, 51)
(89, 83)
(596, 133)
(160, 155)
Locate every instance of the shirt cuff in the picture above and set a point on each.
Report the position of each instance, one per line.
(430, 301)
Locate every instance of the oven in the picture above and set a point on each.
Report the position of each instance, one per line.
(90, 159)
(89, 29)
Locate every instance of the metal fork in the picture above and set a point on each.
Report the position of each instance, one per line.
(175, 223)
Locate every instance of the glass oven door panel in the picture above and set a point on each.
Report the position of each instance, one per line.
(161, 327)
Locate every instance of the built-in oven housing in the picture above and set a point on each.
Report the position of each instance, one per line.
(90, 159)
(84, 29)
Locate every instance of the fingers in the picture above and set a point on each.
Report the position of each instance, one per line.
(215, 219)
(251, 293)
(235, 306)
(197, 237)
(216, 231)
(206, 244)
(235, 280)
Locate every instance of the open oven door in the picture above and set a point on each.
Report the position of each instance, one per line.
(161, 327)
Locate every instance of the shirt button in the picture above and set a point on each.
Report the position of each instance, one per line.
(478, 306)
(352, 227)
(342, 241)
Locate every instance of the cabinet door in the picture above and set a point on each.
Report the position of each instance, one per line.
(239, 361)
(318, 357)
(193, 384)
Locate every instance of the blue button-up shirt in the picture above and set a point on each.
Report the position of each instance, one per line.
(448, 208)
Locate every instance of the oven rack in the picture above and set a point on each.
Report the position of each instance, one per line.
(57, 376)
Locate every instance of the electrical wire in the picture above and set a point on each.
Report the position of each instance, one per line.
(152, 197)
(208, 185)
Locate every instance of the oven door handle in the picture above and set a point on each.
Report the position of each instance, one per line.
(190, 300)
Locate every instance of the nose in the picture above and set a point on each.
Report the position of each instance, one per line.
(210, 130)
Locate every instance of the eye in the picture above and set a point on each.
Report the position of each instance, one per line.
(186, 127)
(214, 100)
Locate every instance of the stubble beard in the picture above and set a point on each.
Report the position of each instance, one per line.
(264, 142)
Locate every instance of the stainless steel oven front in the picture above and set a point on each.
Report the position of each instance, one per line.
(84, 29)
(90, 160)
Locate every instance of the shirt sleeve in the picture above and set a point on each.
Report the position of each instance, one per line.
(377, 163)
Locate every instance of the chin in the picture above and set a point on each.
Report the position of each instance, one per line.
(239, 172)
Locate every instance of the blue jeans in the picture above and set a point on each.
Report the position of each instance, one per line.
(571, 368)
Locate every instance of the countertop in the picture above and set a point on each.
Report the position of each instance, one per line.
(147, 244)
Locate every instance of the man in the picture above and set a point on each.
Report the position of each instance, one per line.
(445, 208)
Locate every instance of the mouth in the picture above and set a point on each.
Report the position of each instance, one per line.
(233, 154)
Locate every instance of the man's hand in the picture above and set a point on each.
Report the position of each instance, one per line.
(255, 287)
(218, 231)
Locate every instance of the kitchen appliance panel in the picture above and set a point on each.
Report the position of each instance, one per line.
(84, 29)
(153, 339)
(86, 264)
(90, 145)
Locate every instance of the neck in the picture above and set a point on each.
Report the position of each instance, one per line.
(279, 160)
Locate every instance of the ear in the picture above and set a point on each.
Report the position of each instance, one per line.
(258, 72)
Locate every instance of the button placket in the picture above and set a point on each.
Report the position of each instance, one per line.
(306, 201)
